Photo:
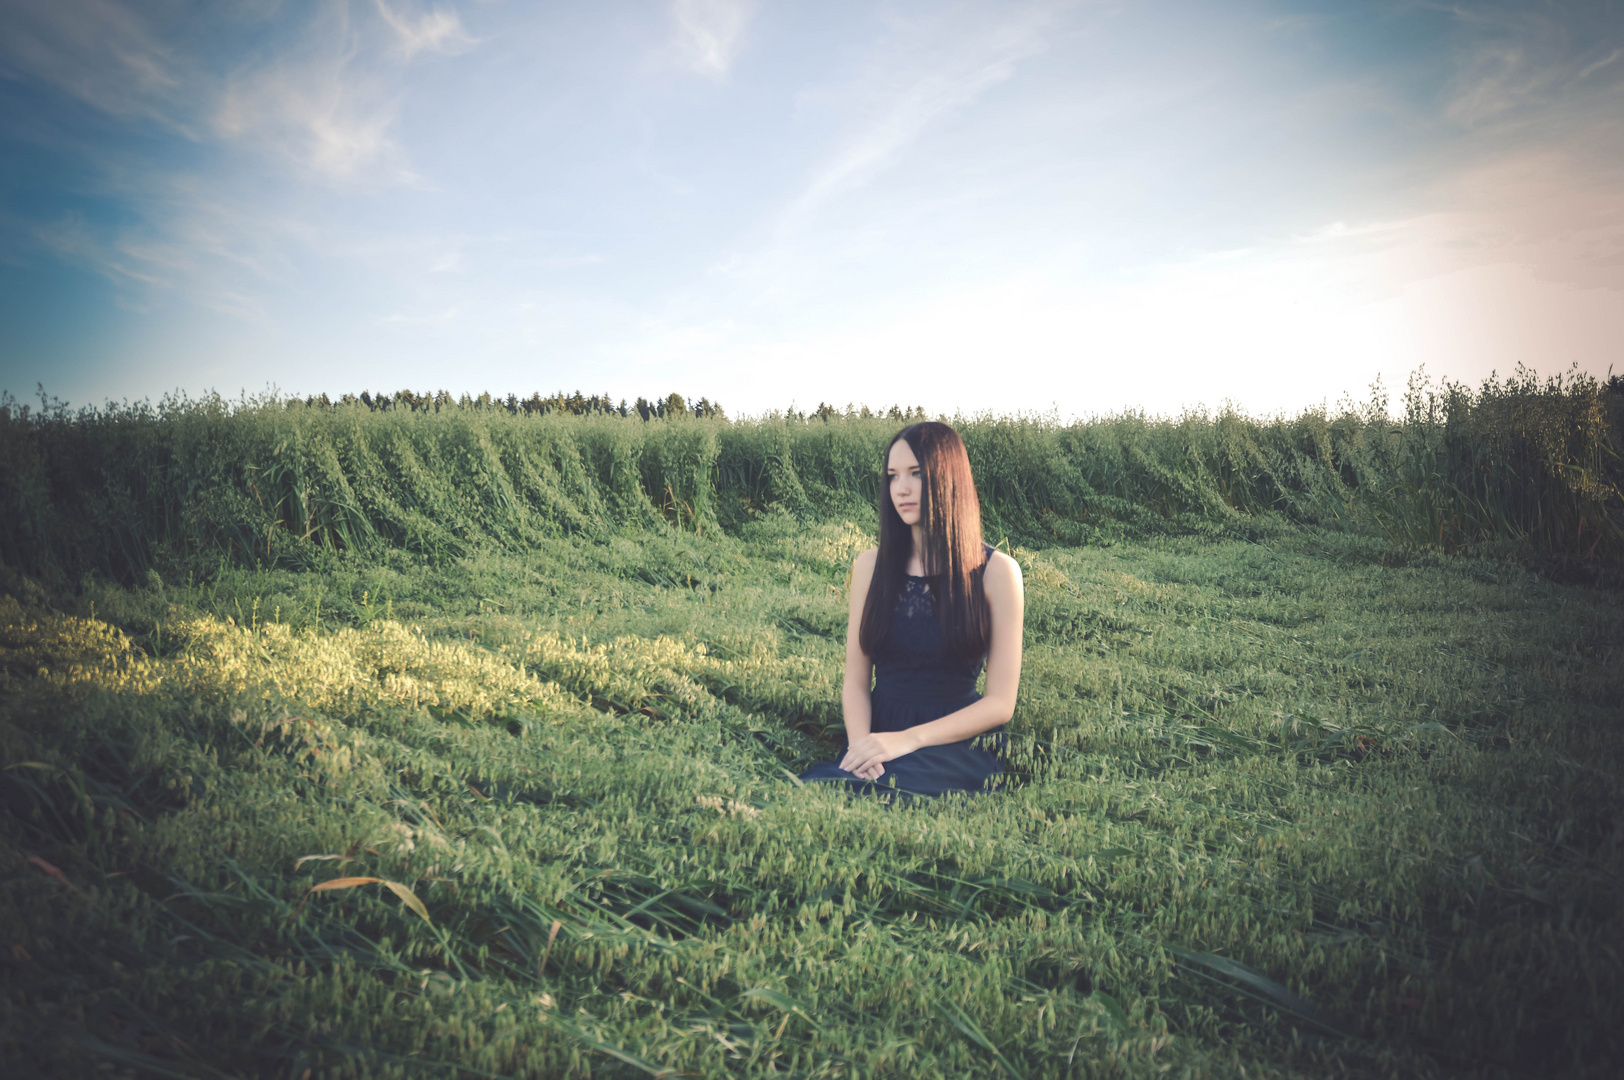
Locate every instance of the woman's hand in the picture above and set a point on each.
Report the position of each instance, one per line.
(867, 756)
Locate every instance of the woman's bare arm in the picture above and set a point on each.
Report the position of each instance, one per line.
(1006, 601)
(856, 705)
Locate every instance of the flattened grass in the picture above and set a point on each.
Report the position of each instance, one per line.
(1277, 807)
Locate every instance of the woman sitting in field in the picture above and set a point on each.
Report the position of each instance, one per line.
(927, 606)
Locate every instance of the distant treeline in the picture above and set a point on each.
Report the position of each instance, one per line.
(576, 404)
(1525, 464)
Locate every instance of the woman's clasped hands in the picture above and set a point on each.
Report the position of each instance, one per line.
(867, 756)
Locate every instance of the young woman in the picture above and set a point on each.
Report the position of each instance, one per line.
(927, 607)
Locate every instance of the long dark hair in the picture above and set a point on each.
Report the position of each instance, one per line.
(953, 557)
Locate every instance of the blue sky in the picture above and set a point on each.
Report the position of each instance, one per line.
(1076, 207)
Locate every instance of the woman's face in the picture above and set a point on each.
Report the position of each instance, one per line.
(902, 474)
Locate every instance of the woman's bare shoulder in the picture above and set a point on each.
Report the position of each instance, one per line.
(862, 570)
(1002, 571)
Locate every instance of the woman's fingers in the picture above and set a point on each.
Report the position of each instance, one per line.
(862, 765)
(864, 758)
(867, 756)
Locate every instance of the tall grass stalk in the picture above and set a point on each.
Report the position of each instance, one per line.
(1524, 464)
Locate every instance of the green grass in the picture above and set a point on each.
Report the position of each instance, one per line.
(1525, 468)
(1315, 803)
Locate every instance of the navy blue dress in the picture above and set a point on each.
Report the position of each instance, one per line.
(918, 679)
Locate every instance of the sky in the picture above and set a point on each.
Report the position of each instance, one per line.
(1056, 208)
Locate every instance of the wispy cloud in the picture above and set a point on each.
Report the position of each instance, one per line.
(1517, 63)
(1495, 82)
(99, 52)
(1539, 184)
(929, 69)
(330, 104)
(709, 33)
(322, 91)
(73, 240)
(205, 248)
(436, 30)
(318, 113)
(317, 92)
(1591, 69)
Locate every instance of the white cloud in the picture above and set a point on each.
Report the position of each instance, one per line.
(1521, 63)
(73, 240)
(326, 99)
(318, 114)
(898, 122)
(934, 68)
(217, 254)
(710, 33)
(1591, 69)
(328, 106)
(438, 30)
(919, 77)
(331, 102)
(99, 52)
(1495, 81)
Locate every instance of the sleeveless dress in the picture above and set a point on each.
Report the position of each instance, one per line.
(918, 679)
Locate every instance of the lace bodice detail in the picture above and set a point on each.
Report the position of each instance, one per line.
(915, 664)
(916, 601)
